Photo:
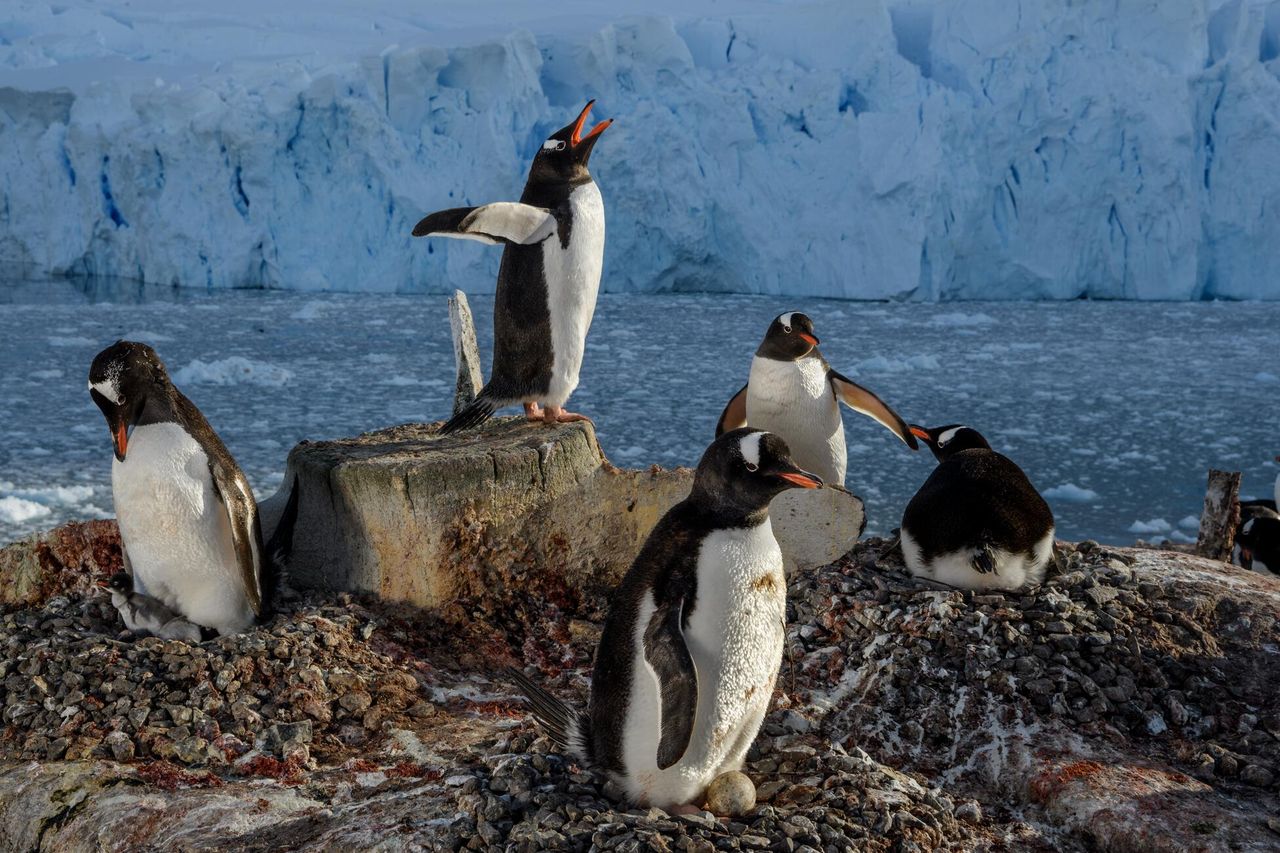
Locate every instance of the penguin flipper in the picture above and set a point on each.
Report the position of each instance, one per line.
(861, 400)
(984, 562)
(734, 414)
(233, 491)
(667, 654)
(501, 222)
(280, 545)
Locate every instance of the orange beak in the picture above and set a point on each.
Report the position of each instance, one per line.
(120, 438)
(919, 432)
(804, 481)
(576, 138)
(809, 339)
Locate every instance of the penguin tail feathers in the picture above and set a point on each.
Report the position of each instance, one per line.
(280, 547)
(984, 561)
(569, 729)
(473, 414)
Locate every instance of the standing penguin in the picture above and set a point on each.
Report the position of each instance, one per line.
(977, 522)
(188, 519)
(793, 392)
(547, 284)
(692, 645)
(1257, 545)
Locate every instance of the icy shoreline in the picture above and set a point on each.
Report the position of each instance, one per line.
(913, 150)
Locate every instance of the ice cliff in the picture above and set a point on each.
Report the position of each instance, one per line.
(924, 150)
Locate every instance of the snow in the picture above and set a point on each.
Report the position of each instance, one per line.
(1070, 493)
(1150, 418)
(882, 149)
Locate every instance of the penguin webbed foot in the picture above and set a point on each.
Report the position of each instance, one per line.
(557, 415)
(532, 412)
(683, 808)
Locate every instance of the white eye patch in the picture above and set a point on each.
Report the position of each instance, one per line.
(785, 320)
(109, 389)
(553, 145)
(750, 449)
(1248, 527)
(948, 435)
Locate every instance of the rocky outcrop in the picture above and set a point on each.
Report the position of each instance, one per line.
(65, 560)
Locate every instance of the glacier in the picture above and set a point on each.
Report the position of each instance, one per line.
(868, 149)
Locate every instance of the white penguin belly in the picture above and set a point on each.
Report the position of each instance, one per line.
(573, 280)
(1013, 571)
(735, 636)
(175, 529)
(794, 400)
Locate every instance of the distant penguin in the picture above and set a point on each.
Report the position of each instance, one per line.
(188, 519)
(144, 613)
(1257, 543)
(547, 284)
(693, 641)
(977, 522)
(793, 392)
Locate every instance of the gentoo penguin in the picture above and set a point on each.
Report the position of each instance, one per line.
(977, 522)
(144, 613)
(693, 641)
(1259, 542)
(793, 392)
(188, 519)
(547, 284)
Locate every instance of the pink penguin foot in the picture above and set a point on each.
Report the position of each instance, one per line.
(557, 415)
(532, 412)
(684, 808)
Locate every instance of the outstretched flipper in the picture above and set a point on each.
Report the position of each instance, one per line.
(501, 222)
(668, 656)
(734, 414)
(861, 400)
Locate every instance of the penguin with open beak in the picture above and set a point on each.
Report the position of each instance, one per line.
(553, 253)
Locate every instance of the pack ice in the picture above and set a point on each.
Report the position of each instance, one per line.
(871, 149)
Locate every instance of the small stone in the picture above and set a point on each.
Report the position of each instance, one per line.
(1257, 776)
(731, 794)
(969, 812)
(356, 701)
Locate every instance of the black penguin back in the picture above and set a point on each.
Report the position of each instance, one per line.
(973, 499)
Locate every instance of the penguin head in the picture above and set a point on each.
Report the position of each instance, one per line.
(120, 380)
(946, 441)
(121, 583)
(563, 157)
(1259, 534)
(790, 338)
(746, 468)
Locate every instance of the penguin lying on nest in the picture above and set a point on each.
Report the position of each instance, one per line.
(977, 522)
(794, 393)
(548, 281)
(188, 519)
(693, 641)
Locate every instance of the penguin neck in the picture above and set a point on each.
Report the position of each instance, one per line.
(722, 512)
(552, 193)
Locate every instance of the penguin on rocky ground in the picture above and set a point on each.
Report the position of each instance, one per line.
(977, 522)
(547, 284)
(1257, 543)
(693, 641)
(188, 519)
(792, 391)
(145, 614)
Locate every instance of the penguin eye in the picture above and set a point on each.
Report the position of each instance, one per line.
(752, 467)
(786, 329)
(553, 145)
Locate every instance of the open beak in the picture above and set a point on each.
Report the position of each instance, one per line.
(920, 433)
(797, 477)
(576, 138)
(809, 339)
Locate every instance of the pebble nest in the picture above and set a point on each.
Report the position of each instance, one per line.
(1100, 648)
(74, 685)
(877, 664)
